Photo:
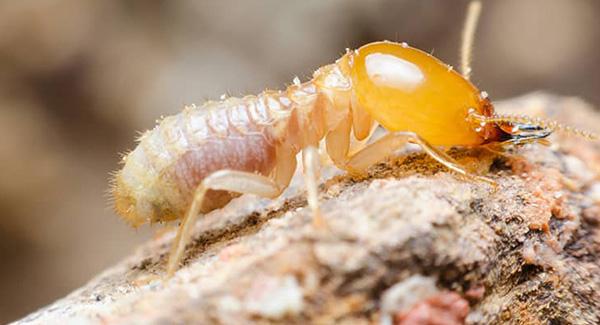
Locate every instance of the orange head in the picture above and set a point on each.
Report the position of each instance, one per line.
(406, 89)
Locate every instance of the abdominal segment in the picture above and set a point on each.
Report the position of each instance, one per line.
(251, 153)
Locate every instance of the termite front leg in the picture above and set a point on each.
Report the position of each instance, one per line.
(338, 141)
(232, 181)
(391, 142)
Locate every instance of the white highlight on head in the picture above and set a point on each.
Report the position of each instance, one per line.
(391, 71)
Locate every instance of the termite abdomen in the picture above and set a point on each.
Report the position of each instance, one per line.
(159, 176)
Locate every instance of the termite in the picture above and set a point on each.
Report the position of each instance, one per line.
(198, 160)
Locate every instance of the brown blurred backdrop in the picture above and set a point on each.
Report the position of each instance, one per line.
(79, 78)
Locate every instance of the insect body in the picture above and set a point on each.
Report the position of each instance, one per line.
(198, 160)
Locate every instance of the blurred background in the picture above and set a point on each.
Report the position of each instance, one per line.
(80, 78)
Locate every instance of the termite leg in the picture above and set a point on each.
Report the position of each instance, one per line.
(337, 147)
(228, 180)
(385, 146)
(233, 181)
(312, 167)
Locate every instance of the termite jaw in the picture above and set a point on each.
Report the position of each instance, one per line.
(521, 128)
(525, 133)
(514, 131)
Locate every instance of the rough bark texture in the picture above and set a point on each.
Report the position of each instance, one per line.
(409, 243)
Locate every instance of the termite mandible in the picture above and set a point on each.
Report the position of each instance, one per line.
(198, 160)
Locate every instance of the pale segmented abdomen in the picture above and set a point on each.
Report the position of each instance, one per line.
(159, 176)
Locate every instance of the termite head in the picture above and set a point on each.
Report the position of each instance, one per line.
(406, 89)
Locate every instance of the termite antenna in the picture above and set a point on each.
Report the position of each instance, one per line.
(468, 35)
